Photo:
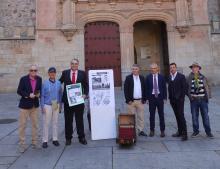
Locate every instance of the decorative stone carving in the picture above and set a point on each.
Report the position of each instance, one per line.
(112, 3)
(158, 2)
(92, 3)
(182, 30)
(182, 14)
(140, 3)
(68, 27)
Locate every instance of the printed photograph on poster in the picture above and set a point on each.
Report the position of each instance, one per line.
(101, 88)
(74, 94)
(100, 81)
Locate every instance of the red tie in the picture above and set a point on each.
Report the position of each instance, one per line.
(73, 78)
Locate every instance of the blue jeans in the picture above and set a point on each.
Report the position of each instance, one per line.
(202, 106)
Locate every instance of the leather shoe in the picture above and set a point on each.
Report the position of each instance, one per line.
(177, 134)
(184, 137)
(68, 142)
(162, 134)
(151, 133)
(44, 145)
(56, 143)
(83, 141)
(141, 133)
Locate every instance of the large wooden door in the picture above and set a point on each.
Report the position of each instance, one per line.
(102, 48)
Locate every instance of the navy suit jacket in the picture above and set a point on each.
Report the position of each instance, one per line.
(81, 78)
(25, 89)
(161, 85)
(129, 88)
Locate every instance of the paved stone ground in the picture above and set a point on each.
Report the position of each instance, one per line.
(148, 153)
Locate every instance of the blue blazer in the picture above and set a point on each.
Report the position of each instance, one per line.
(24, 90)
(161, 85)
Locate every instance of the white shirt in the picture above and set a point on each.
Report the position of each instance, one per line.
(71, 74)
(173, 76)
(137, 94)
(158, 91)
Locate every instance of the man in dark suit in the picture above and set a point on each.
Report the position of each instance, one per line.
(177, 88)
(72, 76)
(156, 94)
(29, 89)
(135, 96)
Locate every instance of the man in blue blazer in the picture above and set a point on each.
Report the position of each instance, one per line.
(29, 89)
(156, 94)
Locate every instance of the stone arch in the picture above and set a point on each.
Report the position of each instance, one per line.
(160, 16)
(93, 17)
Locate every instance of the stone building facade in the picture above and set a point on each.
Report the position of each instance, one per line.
(106, 34)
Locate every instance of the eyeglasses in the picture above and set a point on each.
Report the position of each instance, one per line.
(33, 70)
(73, 63)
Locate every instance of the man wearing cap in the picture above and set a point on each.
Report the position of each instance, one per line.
(51, 95)
(72, 76)
(199, 94)
(135, 96)
(29, 89)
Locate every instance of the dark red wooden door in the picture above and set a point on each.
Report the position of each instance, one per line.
(102, 48)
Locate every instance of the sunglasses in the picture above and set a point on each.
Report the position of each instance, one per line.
(33, 70)
(74, 63)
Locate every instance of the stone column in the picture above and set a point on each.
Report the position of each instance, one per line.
(127, 50)
(69, 27)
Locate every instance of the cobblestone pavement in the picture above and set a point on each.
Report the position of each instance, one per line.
(148, 153)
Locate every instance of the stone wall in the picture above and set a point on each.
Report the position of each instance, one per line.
(214, 9)
(17, 19)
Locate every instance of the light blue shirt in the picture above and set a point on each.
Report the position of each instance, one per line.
(51, 91)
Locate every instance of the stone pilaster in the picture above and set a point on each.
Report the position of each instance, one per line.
(127, 50)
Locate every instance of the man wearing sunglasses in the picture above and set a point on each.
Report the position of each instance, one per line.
(72, 76)
(29, 89)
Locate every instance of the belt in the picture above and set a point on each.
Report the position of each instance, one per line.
(198, 97)
(138, 99)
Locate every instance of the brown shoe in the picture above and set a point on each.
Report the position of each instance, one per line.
(162, 134)
(151, 133)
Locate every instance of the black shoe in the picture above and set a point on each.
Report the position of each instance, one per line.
(44, 145)
(194, 134)
(83, 141)
(210, 135)
(162, 134)
(141, 133)
(177, 134)
(184, 137)
(151, 133)
(68, 142)
(56, 143)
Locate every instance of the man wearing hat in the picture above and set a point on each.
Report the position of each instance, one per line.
(199, 94)
(51, 95)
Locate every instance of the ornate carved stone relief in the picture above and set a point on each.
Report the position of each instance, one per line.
(68, 26)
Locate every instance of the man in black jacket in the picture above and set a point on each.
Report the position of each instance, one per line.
(72, 76)
(29, 89)
(135, 96)
(177, 88)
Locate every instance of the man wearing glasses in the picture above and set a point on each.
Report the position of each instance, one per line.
(72, 76)
(29, 89)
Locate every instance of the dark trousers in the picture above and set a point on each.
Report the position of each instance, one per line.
(156, 103)
(68, 115)
(202, 105)
(178, 108)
